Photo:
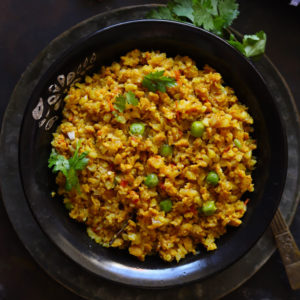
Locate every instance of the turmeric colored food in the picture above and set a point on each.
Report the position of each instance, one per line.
(163, 172)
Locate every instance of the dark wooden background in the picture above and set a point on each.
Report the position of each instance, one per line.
(26, 27)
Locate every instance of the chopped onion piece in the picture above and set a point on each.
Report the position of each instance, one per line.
(71, 135)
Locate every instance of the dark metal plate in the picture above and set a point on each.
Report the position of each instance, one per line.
(49, 257)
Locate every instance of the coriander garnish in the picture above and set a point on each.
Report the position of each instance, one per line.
(157, 82)
(68, 167)
(214, 16)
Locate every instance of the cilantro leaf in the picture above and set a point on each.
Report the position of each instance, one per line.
(229, 10)
(59, 162)
(162, 13)
(214, 16)
(120, 103)
(252, 45)
(78, 162)
(204, 12)
(68, 166)
(255, 44)
(157, 82)
(184, 8)
(131, 99)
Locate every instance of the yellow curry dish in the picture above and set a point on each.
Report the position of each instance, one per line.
(154, 155)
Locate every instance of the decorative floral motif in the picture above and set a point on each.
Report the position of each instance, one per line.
(57, 91)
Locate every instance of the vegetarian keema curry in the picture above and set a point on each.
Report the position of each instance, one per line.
(154, 155)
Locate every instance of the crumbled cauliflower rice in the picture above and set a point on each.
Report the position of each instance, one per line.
(112, 190)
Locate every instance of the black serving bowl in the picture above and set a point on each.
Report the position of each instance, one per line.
(43, 115)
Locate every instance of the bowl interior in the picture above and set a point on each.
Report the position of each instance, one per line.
(43, 115)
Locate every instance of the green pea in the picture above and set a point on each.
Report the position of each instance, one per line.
(208, 208)
(137, 128)
(166, 150)
(68, 205)
(166, 205)
(151, 180)
(237, 143)
(212, 178)
(197, 129)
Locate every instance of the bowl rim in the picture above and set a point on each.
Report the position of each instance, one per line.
(142, 282)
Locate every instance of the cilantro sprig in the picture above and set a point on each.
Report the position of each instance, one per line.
(252, 45)
(157, 82)
(121, 100)
(214, 16)
(69, 167)
(120, 104)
